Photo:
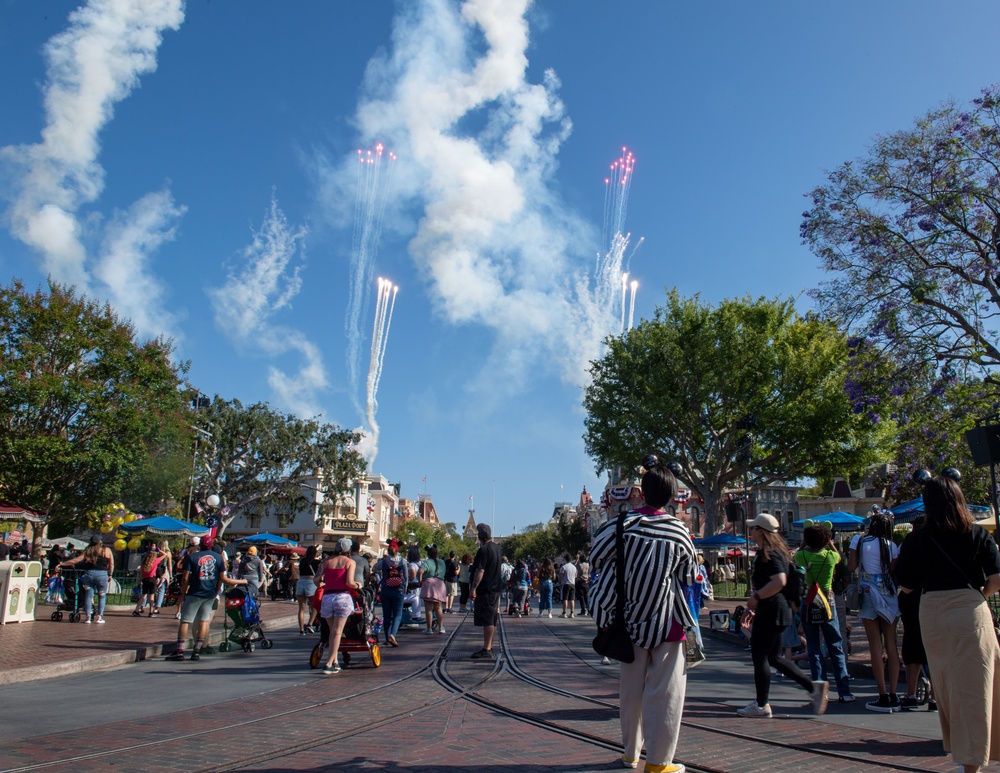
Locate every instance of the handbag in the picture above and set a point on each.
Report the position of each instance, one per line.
(614, 641)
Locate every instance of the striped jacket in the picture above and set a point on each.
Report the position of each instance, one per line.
(659, 561)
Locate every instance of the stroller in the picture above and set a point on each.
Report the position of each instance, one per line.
(244, 613)
(71, 597)
(360, 631)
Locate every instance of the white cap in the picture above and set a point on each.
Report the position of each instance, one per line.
(765, 521)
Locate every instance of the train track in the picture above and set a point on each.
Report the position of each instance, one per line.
(479, 690)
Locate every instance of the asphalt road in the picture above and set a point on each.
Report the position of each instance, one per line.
(154, 687)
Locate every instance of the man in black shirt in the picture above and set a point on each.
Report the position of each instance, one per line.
(485, 587)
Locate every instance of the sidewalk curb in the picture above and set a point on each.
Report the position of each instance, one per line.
(121, 658)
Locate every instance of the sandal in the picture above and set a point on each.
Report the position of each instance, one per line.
(136, 613)
(391, 641)
(155, 612)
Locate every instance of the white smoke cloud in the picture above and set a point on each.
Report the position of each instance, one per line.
(245, 307)
(130, 239)
(499, 248)
(95, 63)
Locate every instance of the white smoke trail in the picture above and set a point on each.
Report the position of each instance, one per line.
(631, 305)
(373, 186)
(384, 305)
(254, 292)
(96, 62)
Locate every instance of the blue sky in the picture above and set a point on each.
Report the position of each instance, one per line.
(196, 165)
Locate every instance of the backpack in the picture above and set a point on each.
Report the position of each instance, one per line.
(795, 588)
(393, 574)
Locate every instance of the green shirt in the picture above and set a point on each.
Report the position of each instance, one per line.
(819, 566)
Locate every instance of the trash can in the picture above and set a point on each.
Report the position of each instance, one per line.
(18, 590)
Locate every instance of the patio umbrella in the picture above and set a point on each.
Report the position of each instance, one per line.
(840, 521)
(164, 525)
(720, 541)
(907, 511)
(266, 540)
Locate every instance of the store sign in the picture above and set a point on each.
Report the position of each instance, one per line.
(348, 525)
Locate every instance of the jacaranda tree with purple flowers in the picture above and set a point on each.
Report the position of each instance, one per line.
(911, 234)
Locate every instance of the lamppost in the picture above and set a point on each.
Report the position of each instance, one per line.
(194, 465)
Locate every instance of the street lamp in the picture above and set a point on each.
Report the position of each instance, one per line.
(194, 464)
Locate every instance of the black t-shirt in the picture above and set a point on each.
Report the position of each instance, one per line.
(923, 566)
(450, 570)
(763, 570)
(488, 559)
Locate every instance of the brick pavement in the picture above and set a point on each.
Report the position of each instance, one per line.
(350, 735)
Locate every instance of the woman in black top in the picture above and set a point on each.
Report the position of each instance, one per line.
(305, 589)
(772, 614)
(956, 566)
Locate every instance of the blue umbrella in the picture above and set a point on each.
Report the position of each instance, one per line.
(165, 525)
(268, 540)
(720, 541)
(840, 521)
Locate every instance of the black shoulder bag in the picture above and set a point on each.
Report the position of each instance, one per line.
(614, 641)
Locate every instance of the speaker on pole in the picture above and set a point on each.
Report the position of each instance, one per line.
(984, 444)
(734, 513)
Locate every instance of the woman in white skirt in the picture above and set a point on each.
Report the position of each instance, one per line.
(955, 565)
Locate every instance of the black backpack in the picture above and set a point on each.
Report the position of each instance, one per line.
(795, 588)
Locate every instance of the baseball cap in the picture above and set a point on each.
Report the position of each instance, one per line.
(207, 542)
(344, 544)
(765, 521)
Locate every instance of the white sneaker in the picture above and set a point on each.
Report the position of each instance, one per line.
(550, 615)
(819, 697)
(100, 620)
(440, 630)
(753, 710)
(88, 621)
(605, 661)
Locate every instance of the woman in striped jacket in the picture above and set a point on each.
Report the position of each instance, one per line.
(659, 561)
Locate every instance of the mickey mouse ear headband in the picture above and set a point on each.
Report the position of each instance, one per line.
(649, 461)
(923, 475)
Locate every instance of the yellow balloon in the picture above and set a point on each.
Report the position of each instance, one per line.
(129, 517)
(120, 544)
(106, 527)
(118, 520)
(135, 543)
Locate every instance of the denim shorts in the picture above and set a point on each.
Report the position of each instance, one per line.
(305, 586)
(197, 609)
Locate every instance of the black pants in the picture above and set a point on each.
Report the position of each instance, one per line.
(463, 594)
(765, 644)
(583, 597)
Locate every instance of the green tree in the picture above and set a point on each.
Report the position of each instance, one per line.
(256, 459)
(911, 236)
(747, 386)
(83, 403)
(445, 536)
